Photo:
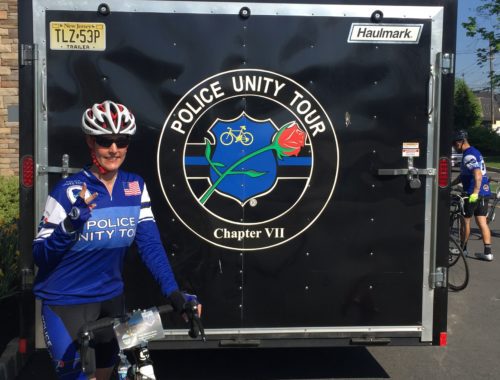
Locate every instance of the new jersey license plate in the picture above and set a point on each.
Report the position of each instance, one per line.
(77, 36)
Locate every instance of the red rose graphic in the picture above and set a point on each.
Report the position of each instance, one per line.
(292, 139)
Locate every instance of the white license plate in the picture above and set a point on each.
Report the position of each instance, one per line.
(77, 36)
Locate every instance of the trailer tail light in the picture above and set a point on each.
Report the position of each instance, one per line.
(444, 172)
(27, 171)
(443, 339)
(23, 346)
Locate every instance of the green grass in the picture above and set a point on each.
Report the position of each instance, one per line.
(494, 187)
(493, 161)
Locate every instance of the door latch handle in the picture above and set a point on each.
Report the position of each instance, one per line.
(412, 173)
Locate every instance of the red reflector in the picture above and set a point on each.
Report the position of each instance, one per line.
(23, 346)
(27, 172)
(444, 172)
(443, 339)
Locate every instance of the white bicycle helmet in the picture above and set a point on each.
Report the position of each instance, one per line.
(108, 118)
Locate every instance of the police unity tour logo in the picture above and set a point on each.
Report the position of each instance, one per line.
(248, 159)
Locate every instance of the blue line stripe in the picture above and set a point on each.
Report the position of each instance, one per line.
(295, 161)
(287, 161)
(195, 160)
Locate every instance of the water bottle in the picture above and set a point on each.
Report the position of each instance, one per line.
(123, 367)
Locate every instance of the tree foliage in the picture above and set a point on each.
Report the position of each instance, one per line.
(487, 13)
(486, 140)
(467, 115)
(467, 109)
(9, 237)
(9, 199)
(9, 259)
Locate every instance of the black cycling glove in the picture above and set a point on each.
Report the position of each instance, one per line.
(178, 301)
(78, 215)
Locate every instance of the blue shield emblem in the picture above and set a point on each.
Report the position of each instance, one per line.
(241, 163)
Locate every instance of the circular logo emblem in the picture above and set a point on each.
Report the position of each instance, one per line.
(73, 192)
(248, 159)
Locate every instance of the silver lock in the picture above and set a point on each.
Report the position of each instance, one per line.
(412, 175)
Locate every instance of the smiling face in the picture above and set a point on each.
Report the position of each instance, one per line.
(110, 150)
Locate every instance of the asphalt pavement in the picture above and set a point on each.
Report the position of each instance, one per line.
(472, 352)
(473, 349)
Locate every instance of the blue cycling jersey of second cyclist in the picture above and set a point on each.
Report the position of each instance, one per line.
(471, 161)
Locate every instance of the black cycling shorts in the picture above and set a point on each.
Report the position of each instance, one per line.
(61, 325)
(479, 208)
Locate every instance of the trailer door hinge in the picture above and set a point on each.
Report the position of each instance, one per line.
(29, 53)
(27, 278)
(438, 279)
(447, 63)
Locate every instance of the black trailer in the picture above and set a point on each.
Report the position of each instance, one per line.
(296, 154)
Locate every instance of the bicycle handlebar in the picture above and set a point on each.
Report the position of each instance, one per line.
(191, 309)
(107, 322)
(165, 309)
(459, 194)
(90, 327)
(86, 332)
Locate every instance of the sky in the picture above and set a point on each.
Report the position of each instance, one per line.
(475, 76)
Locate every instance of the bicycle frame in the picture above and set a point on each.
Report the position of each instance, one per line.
(457, 222)
(229, 137)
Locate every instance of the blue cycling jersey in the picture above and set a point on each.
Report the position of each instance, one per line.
(471, 161)
(86, 266)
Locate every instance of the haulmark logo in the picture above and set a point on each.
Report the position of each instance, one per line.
(248, 159)
(385, 33)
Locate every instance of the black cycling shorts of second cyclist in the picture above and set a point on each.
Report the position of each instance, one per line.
(479, 208)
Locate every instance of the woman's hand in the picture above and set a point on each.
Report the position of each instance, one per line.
(80, 211)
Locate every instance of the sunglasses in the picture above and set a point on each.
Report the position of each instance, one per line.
(107, 141)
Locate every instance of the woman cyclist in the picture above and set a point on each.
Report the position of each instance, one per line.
(90, 220)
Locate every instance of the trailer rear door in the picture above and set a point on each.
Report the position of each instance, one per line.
(289, 150)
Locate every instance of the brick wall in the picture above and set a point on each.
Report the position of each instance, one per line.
(9, 131)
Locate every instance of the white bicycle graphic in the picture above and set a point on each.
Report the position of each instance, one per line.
(229, 137)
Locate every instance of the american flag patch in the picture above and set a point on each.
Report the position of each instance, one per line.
(131, 188)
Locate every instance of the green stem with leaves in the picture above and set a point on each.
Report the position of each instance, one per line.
(229, 171)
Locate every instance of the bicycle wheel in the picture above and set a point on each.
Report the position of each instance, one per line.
(490, 217)
(457, 231)
(226, 138)
(247, 139)
(458, 272)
